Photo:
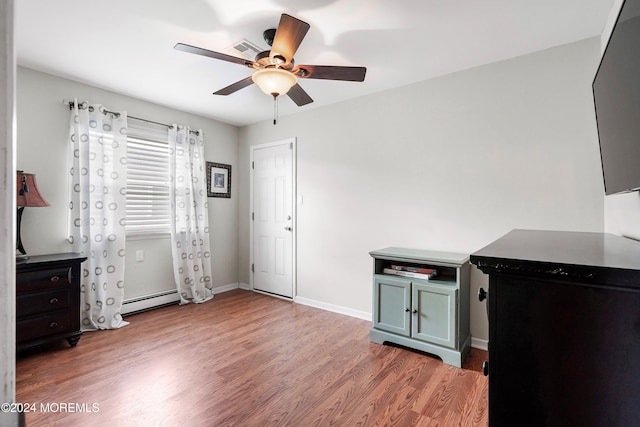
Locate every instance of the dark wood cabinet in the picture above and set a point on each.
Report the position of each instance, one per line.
(48, 299)
(564, 329)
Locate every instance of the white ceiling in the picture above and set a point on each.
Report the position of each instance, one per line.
(127, 45)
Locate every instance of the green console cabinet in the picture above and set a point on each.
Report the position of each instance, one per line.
(426, 314)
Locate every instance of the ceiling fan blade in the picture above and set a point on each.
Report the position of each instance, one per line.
(299, 96)
(235, 87)
(215, 55)
(330, 72)
(288, 37)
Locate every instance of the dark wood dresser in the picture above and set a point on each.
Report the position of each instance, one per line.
(48, 299)
(564, 329)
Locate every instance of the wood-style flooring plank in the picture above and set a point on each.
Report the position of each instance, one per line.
(246, 359)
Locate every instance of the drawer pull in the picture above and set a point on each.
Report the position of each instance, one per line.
(53, 325)
(53, 300)
(54, 278)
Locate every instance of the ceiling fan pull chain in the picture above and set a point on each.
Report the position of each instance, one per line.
(275, 108)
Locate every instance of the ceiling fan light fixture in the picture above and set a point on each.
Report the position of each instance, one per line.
(274, 81)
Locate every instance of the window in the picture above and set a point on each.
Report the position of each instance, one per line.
(148, 194)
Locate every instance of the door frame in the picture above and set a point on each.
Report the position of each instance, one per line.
(294, 214)
(8, 154)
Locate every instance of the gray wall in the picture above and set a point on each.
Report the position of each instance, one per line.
(449, 164)
(42, 149)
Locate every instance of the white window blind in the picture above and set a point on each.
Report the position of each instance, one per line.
(148, 201)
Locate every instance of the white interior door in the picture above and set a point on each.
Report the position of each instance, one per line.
(273, 218)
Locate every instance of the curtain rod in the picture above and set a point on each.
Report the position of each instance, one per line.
(80, 105)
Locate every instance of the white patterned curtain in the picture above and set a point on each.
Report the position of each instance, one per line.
(189, 214)
(98, 139)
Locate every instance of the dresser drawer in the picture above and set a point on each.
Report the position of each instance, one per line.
(29, 303)
(42, 326)
(48, 299)
(43, 279)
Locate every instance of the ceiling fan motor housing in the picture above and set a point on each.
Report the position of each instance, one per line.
(265, 59)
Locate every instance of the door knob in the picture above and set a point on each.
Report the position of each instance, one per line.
(288, 228)
(482, 294)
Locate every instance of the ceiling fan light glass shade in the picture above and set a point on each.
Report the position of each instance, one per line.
(274, 81)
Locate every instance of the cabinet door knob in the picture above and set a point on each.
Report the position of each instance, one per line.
(415, 311)
(53, 325)
(53, 300)
(406, 310)
(54, 278)
(482, 294)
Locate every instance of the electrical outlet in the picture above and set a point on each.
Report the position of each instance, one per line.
(140, 256)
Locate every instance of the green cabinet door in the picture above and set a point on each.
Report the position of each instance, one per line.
(434, 313)
(391, 304)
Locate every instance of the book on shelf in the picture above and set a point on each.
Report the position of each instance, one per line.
(421, 270)
(412, 274)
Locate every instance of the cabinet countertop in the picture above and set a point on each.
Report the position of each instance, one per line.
(49, 258)
(595, 257)
(421, 255)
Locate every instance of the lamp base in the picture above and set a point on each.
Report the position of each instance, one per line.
(19, 246)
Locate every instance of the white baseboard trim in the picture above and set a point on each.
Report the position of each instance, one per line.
(480, 344)
(225, 288)
(244, 286)
(334, 308)
(149, 301)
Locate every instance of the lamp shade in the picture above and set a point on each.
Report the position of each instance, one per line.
(27, 191)
(274, 81)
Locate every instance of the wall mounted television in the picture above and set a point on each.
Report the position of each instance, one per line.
(616, 93)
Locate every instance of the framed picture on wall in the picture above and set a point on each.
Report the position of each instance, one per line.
(218, 180)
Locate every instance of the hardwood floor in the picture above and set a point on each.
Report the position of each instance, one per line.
(246, 359)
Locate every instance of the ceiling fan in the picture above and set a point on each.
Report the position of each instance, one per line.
(275, 70)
